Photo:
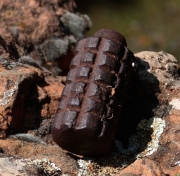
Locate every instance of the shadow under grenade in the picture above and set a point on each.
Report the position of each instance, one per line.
(87, 117)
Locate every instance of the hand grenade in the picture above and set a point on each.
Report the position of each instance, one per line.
(87, 116)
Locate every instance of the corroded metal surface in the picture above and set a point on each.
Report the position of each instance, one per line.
(90, 106)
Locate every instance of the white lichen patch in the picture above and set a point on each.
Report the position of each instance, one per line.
(7, 95)
(89, 167)
(146, 140)
(83, 167)
(157, 126)
(175, 104)
(49, 168)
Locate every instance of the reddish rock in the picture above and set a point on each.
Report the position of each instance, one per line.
(150, 123)
(37, 34)
(46, 30)
(145, 167)
(30, 95)
(30, 150)
(27, 96)
(165, 159)
(36, 39)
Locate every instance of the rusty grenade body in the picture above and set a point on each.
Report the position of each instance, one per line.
(87, 117)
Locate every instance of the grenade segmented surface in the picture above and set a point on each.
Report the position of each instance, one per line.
(90, 106)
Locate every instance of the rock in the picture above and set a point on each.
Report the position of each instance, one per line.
(36, 42)
(27, 96)
(149, 126)
(9, 49)
(149, 130)
(165, 159)
(37, 38)
(34, 157)
(46, 31)
(143, 167)
(148, 140)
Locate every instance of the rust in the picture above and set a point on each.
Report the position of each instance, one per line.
(91, 102)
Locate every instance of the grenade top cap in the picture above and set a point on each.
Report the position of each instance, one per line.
(111, 35)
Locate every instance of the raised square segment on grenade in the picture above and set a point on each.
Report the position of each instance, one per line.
(75, 61)
(128, 57)
(104, 76)
(93, 106)
(68, 119)
(71, 74)
(75, 101)
(80, 46)
(90, 121)
(92, 42)
(67, 89)
(98, 91)
(88, 58)
(104, 60)
(62, 104)
(78, 87)
(58, 118)
(110, 46)
(83, 72)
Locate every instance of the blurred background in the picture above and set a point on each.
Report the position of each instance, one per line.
(146, 24)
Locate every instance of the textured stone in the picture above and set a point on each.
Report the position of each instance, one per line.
(151, 127)
(24, 154)
(37, 34)
(143, 167)
(46, 31)
(26, 97)
(150, 122)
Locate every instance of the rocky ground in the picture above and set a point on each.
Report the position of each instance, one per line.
(149, 130)
(36, 44)
(43, 30)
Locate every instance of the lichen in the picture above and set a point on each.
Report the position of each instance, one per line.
(54, 48)
(157, 125)
(83, 166)
(76, 23)
(49, 168)
(8, 64)
(120, 158)
(7, 95)
(27, 137)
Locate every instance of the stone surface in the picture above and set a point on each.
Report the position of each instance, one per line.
(149, 129)
(153, 129)
(46, 30)
(26, 97)
(36, 42)
(144, 167)
(23, 154)
(37, 38)
(14, 166)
